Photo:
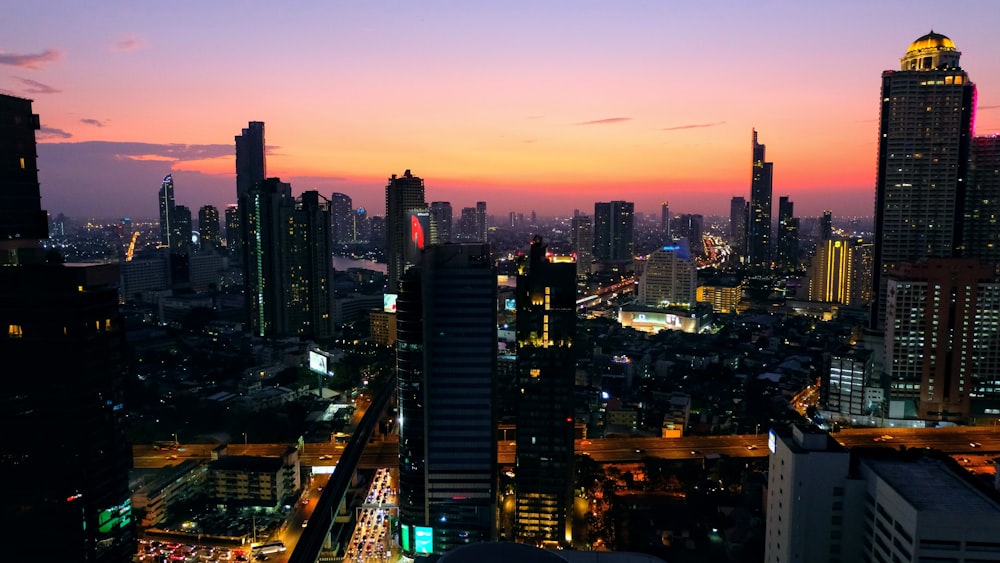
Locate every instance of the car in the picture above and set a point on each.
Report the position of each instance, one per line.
(695, 452)
(324, 456)
(751, 447)
(975, 445)
(640, 451)
(305, 522)
(171, 457)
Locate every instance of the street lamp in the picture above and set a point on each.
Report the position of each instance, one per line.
(757, 429)
(176, 441)
(244, 439)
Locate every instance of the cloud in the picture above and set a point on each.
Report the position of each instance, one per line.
(30, 60)
(52, 133)
(36, 87)
(94, 122)
(605, 121)
(693, 126)
(128, 42)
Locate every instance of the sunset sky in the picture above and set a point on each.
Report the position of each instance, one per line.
(546, 106)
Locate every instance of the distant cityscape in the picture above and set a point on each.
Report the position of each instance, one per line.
(293, 378)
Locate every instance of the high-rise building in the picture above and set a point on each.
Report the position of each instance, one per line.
(942, 338)
(546, 369)
(583, 243)
(209, 233)
(788, 236)
(446, 366)
(441, 214)
(665, 221)
(342, 219)
(167, 206)
(669, 279)
(759, 217)
(482, 222)
(250, 171)
(826, 226)
(20, 197)
(467, 229)
(831, 274)
(180, 240)
(738, 212)
(846, 388)
(265, 205)
(981, 216)
(925, 132)
(402, 195)
(613, 231)
(691, 228)
(233, 242)
(64, 456)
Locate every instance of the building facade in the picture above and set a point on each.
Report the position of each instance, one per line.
(614, 237)
(546, 369)
(669, 279)
(446, 369)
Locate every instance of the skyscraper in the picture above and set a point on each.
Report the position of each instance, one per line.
(166, 204)
(264, 208)
(826, 226)
(402, 195)
(669, 278)
(64, 456)
(446, 366)
(583, 243)
(250, 170)
(342, 219)
(180, 225)
(441, 214)
(208, 227)
(20, 198)
(981, 224)
(925, 132)
(665, 221)
(738, 211)
(788, 236)
(233, 243)
(613, 231)
(759, 218)
(546, 368)
(305, 250)
(482, 221)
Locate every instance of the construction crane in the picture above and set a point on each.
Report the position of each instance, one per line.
(131, 247)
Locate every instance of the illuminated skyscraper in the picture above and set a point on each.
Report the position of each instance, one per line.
(669, 279)
(402, 195)
(583, 243)
(788, 236)
(665, 221)
(925, 132)
(180, 225)
(831, 273)
(482, 221)
(981, 233)
(342, 219)
(546, 368)
(613, 231)
(759, 218)
(446, 367)
(250, 170)
(208, 227)
(441, 214)
(64, 458)
(166, 204)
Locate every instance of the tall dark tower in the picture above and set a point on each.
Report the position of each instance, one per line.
(738, 225)
(613, 231)
(925, 131)
(308, 270)
(759, 220)
(665, 221)
(21, 216)
(546, 327)
(788, 236)
(251, 170)
(981, 236)
(63, 456)
(342, 219)
(266, 205)
(482, 221)
(402, 195)
(826, 226)
(167, 220)
(446, 366)
(441, 215)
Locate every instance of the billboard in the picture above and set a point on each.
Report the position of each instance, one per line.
(389, 302)
(423, 539)
(317, 362)
(419, 234)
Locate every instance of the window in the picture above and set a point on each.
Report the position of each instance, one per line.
(15, 331)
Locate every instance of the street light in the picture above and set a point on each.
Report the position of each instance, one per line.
(176, 441)
(757, 430)
(244, 439)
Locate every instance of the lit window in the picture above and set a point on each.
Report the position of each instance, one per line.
(15, 331)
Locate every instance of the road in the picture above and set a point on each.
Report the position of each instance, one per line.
(382, 452)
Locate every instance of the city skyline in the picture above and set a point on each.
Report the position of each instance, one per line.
(525, 107)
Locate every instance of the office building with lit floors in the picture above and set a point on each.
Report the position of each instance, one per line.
(942, 339)
(403, 194)
(546, 367)
(446, 367)
(64, 460)
(759, 211)
(880, 505)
